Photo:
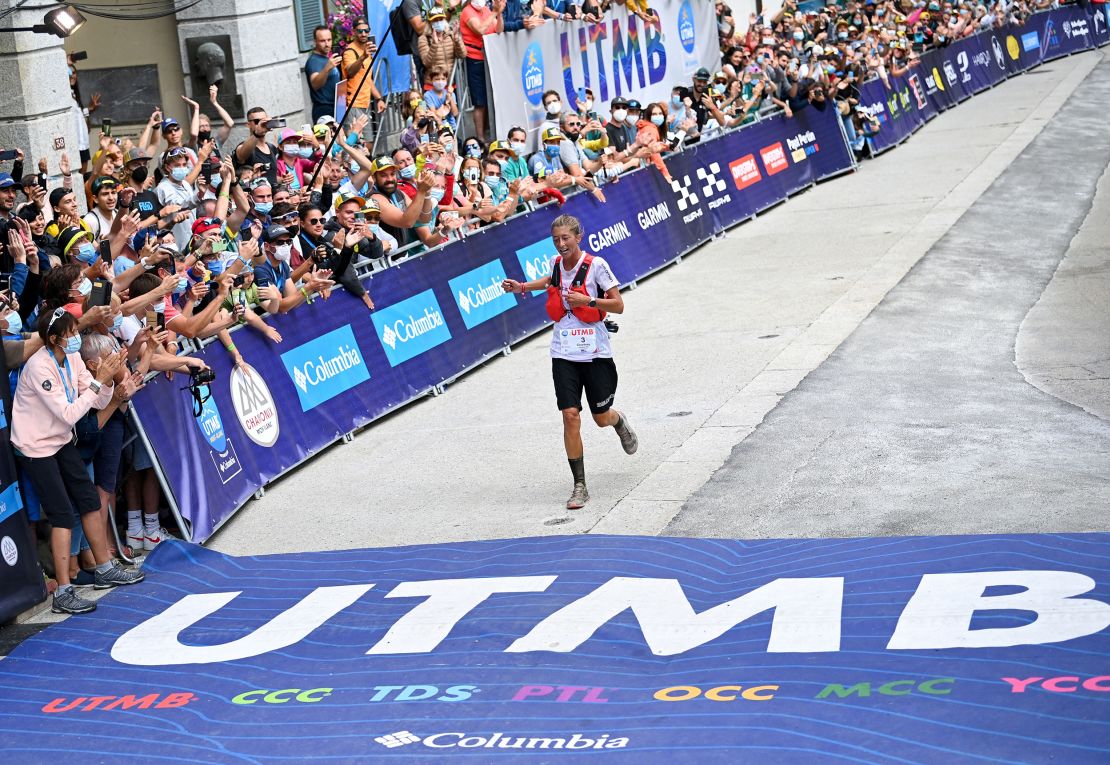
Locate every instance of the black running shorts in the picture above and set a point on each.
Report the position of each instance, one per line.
(598, 377)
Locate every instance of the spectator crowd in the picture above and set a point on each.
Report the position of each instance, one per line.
(157, 241)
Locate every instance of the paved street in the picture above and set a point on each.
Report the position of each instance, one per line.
(918, 422)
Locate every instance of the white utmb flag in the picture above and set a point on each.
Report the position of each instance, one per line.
(621, 56)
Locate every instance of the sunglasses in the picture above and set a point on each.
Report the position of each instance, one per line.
(313, 221)
(172, 128)
(58, 313)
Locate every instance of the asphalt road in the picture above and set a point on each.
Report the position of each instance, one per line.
(921, 422)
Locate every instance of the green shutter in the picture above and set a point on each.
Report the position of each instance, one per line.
(309, 15)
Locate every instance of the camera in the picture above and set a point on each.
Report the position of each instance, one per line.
(200, 377)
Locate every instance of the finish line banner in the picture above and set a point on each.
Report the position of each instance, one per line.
(881, 650)
(341, 366)
(948, 76)
(621, 56)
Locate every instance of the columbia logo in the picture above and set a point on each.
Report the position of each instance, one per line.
(300, 379)
(389, 337)
(400, 738)
(530, 270)
(464, 302)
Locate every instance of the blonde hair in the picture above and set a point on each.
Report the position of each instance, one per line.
(567, 221)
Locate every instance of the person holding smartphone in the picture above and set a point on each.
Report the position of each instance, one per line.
(356, 68)
(55, 390)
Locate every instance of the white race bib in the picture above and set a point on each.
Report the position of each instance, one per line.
(576, 341)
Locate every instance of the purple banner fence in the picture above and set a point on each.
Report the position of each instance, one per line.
(947, 76)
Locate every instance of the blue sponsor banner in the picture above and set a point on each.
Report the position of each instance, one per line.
(478, 294)
(536, 260)
(325, 367)
(411, 327)
(10, 501)
(962, 649)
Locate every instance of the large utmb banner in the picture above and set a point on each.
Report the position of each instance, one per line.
(986, 649)
(341, 366)
(947, 76)
(621, 56)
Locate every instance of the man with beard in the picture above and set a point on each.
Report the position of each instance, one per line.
(332, 252)
(402, 219)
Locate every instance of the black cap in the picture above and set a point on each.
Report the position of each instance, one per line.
(701, 74)
(634, 105)
(618, 102)
(274, 232)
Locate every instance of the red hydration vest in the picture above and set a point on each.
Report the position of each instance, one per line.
(555, 308)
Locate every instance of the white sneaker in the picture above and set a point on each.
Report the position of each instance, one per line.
(150, 541)
(136, 540)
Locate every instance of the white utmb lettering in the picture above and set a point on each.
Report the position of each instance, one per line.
(801, 140)
(475, 297)
(609, 236)
(316, 372)
(414, 328)
(807, 616)
(653, 215)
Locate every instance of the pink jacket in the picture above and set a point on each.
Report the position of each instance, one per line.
(42, 417)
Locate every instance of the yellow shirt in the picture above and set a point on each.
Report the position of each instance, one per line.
(350, 56)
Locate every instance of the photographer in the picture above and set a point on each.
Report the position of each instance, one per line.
(56, 390)
(327, 246)
(277, 287)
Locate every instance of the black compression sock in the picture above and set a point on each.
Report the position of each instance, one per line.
(578, 469)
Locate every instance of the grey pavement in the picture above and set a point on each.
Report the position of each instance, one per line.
(707, 348)
(921, 423)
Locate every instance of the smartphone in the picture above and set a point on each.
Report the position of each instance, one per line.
(8, 154)
(42, 181)
(275, 123)
(372, 41)
(360, 217)
(591, 115)
(160, 320)
(5, 282)
(101, 293)
(106, 126)
(106, 250)
(79, 55)
(240, 279)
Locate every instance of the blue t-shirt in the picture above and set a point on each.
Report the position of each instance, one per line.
(275, 275)
(325, 96)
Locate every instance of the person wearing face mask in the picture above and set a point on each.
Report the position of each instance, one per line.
(278, 288)
(177, 187)
(479, 19)
(297, 157)
(441, 44)
(139, 179)
(513, 165)
(553, 109)
(439, 98)
(56, 390)
(621, 136)
(546, 165)
(326, 246)
(585, 103)
(406, 172)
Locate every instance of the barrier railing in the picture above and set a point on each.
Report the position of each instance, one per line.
(441, 313)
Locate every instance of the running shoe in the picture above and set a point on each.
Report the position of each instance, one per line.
(136, 540)
(67, 601)
(629, 442)
(579, 497)
(152, 540)
(117, 576)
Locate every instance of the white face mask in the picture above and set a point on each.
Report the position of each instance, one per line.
(587, 105)
(283, 252)
(554, 108)
(632, 119)
(619, 115)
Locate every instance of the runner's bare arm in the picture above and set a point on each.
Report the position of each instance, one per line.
(512, 285)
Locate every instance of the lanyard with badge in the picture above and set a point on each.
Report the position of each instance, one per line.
(69, 386)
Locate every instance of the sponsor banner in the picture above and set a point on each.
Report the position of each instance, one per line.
(947, 76)
(340, 366)
(21, 583)
(912, 649)
(622, 56)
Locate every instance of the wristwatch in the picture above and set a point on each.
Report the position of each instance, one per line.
(95, 385)
(593, 302)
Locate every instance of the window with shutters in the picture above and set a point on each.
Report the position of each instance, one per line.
(309, 15)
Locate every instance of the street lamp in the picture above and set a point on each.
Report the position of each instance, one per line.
(61, 22)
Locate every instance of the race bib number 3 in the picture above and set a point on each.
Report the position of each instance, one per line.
(578, 341)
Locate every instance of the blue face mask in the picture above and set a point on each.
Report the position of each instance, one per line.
(676, 101)
(474, 151)
(918, 38)
(15, 323)
(87, 254)
(408, 173)
(551, 151)
(436, 194)
(216, 267)
(117, 322)
(85, 287)
(263, 208)
(179, 173)
(182, 285)
(73, 344)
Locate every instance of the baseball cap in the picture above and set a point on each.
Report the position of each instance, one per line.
(501, 146)
(104, 181)
(134, 155)
(202, 226)
(371, 206)
(634, 105)
(273, 233)
(327, 119)
(169, 123)
(342, 199)
(287, 134)
(436, 13)
(618, 102)
(6, 181)
(71, 236)
(701, 74)
(553, 134)
(384, 162)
